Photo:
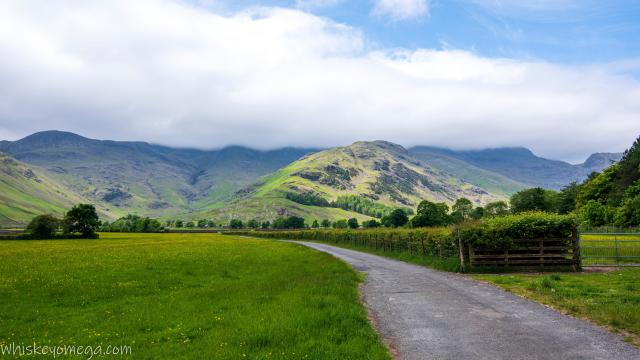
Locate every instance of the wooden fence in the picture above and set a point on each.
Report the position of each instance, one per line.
(529, 253)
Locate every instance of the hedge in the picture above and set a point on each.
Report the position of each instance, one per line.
(497, 233)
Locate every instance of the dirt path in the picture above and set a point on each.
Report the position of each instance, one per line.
(428, 314)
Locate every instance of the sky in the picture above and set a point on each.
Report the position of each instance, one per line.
(561, 77)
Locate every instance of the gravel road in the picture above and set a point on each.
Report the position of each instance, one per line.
(427, 314)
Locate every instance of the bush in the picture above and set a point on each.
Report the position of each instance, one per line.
(134, 223)
(43, 227)
(499, 232)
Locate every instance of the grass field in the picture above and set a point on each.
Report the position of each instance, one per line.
(184, 296)
(611, 299)
(603, 249)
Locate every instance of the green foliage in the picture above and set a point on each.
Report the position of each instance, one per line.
(325, 223)
(236, 224)
(431, 214)
(43, 227)
(362, 205)
(595, 214)
(477, 213)
(353, 223)
(496, 208)
(190, 225)
(566, 198)
(133, 224)
(82, 219)
(340, 224)
(179, 224)
(535, 199)
(289, 222)
(370, 224)
(462, 210)
(315, 224)
(307, 198)
(265, 225)
(396, 218)
(253, 224)
(499, 232)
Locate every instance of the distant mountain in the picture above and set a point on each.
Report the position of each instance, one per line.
(523, 166)
(144, 178)
(123, 177)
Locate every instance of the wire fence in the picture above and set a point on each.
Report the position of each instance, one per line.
(610, 249)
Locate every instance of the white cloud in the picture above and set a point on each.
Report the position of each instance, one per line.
(314, 4)
(166, 72)
(401, 9)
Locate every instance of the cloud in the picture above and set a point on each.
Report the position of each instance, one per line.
(401, 9)
(171, 73)
(315, 4)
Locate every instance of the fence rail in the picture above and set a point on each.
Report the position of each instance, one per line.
(610, 249)
(527, 253)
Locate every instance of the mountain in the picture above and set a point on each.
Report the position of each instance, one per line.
(122, 177)
(142, 178)
(26, 191)
(378, 172)
(523, 166)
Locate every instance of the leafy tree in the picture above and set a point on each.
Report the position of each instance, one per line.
(595, 214)
(265, 225)
(566, 198)
(236, 224)
(535, 199)
(364, 206)
(325, 223)
(179, 224)
(202, 223)
(253, 223)
(82, 219)
(370, 224)
(431, 214)
(134, 223)
(211, 224)
(396, 218)
(43, 226)
(477, 213)
(307, 198)
(462, 209)
(340, 224)
(190, 225)
(315, 224)
(353, 223)
(496, 208)
(290, 222)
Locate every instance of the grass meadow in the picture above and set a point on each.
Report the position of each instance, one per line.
(184, 296)
(611, 299)
(610, 249)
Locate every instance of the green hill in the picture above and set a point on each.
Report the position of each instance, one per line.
(26, 191)
(379, 172)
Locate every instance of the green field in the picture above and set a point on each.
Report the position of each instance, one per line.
(184, 296)
(610, 299)
(608, 249)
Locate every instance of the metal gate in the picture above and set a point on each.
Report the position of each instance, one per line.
(610, 249)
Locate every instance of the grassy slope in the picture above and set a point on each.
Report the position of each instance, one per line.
(26, 191)
(610, 299)
(184, 296)
(268, 195)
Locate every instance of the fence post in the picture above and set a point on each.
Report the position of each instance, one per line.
(461, 252)
(577, 257)
(615, 238)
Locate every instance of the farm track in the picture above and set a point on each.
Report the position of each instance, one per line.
(427, 314)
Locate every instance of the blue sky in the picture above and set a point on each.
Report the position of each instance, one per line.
(562, 31)
(561, 77)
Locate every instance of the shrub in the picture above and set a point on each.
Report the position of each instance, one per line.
(43, 226)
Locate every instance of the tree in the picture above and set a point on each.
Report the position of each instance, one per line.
(370, 224)
(202, 223)
(462, 209)
(353, 223)
(43, 226)
(265, 225)
(326, 223)
(566, 198)
(431, 214)
(535, 199)
(82, 219)
(290, 222)
(340, 224)
(396, 218)
(211, 224)
(190, 225)
(236, 224)
(477, 213)
(179, 224)
(315, 224)
(496, 208)
(594, 213)
(253, 223)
